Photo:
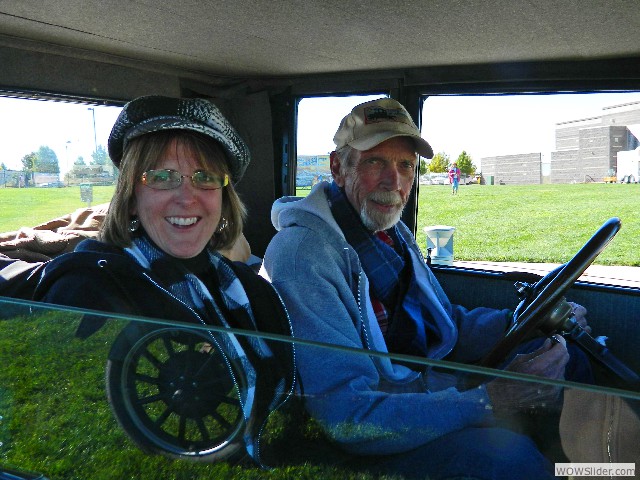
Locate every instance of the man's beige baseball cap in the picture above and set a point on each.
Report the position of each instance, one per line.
(371, 123)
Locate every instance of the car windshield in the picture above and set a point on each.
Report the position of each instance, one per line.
(547, 171)
(97, 407)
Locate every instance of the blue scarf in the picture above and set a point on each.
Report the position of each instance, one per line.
(411, 325)
(382, 264)
(185, 284)
(190, 290)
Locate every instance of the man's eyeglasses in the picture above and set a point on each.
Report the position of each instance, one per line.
(168, 179)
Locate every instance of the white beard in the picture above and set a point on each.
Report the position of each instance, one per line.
(375, 220)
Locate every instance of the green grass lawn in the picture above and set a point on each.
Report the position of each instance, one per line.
(532, 223)
(28, 207)
(537, 223)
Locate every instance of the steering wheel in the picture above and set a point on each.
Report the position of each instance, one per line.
(544, 307)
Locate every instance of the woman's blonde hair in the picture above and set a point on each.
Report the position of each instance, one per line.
(141, 154)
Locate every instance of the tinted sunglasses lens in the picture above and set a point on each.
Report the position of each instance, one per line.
(209, 181)
(161, 179)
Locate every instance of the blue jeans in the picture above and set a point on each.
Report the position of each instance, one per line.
(488, 453)
(471, 453)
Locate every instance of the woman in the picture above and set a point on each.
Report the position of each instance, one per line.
(174, 206)
(454, 178)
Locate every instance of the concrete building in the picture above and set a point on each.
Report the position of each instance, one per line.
(520, 169)
(587, 149)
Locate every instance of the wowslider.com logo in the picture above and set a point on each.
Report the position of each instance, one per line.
(595, 469)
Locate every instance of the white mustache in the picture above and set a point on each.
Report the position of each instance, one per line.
(386, 198)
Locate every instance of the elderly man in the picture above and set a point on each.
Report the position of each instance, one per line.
(351, 273)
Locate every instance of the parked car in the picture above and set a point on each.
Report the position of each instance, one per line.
(52, 185)
(440, 179)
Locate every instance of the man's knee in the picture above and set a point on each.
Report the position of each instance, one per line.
(495, 453)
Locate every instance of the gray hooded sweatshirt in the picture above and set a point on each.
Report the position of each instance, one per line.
(367, 403)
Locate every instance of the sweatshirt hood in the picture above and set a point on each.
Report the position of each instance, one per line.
(289, 211)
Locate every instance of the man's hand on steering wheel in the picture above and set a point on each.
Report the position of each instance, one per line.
(580, 316)
(549, 361)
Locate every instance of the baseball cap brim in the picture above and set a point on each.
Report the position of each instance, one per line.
(422, 146)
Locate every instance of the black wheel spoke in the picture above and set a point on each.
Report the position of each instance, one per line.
(190, 354)
(228, 400)
(140, 377)
(163, 417)
(151, 399)
(182, 428)
(221, 420)
(152, 359)
(203, 368)
(217, 382)
(202, 428)
(168, 345)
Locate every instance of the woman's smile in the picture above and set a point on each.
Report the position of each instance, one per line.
(182, 221)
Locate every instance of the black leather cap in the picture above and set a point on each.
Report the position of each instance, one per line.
(154, 113)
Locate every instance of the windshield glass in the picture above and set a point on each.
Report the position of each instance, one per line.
(97, 407)
(317, 121)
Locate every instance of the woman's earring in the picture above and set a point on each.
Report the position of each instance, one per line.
(222, 225)
(134, 224)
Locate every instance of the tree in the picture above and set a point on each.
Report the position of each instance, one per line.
(465, 164)
(100, 156)
(3, 166)
(424, 166)
(439, 163)
(79, 161)
(28, 164)
(46, 161)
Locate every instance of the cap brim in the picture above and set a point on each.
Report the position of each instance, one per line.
(422, 146)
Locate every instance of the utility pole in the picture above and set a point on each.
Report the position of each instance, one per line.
(95, 139)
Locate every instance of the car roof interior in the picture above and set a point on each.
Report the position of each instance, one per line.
(256, 58)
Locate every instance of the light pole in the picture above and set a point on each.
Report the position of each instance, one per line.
(66, 149)
(95, 139)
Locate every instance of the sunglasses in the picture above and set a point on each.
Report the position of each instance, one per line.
(168, 179)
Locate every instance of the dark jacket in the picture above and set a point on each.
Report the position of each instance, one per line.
(100, 277)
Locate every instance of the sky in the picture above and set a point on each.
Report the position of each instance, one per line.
(505, 125)
(318, 120)
(481, 126)
(26, 125)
